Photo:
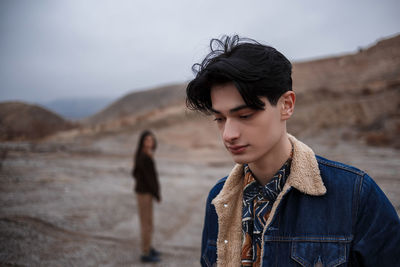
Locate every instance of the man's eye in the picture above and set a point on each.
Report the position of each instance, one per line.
(218, 119)
(245, 116)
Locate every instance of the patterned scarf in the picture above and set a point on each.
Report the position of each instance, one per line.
(257, 205)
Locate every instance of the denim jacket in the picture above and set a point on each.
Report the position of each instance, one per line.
(328, 214)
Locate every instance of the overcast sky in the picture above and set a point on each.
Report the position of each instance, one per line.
(52, 49)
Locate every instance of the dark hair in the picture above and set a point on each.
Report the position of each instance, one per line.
(255, 69)
(139, 147)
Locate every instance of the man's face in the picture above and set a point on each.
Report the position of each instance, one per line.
(248, 134)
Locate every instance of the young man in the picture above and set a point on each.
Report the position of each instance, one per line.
(281, 205)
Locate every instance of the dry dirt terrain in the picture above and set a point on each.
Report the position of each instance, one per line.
(70, 203)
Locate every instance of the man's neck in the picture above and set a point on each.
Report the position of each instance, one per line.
(266, 167)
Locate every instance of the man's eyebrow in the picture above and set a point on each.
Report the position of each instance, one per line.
(233, 110)
(238, 108)
(215, 111)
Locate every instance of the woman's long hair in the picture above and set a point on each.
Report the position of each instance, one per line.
(139, 148)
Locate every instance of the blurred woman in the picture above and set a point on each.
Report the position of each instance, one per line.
(146, 188)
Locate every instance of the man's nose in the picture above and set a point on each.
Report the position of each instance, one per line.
(231, 131)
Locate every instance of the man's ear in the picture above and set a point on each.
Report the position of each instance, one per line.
(287, 102)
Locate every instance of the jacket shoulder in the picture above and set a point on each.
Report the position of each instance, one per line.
(324, 163)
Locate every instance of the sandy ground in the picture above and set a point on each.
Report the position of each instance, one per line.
(61, 207)
(72, 204)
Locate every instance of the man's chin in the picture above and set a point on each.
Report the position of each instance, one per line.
(241, 159)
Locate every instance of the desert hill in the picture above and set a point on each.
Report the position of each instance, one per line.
(75, 108)
(357, 94)
(21, 121)
(139, 103)
(370, 69)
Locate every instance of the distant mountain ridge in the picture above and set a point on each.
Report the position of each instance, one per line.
(78, 108)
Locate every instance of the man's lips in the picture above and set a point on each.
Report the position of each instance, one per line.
(237, 149)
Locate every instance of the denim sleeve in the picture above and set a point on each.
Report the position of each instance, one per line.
(377, 228)
(205, 231)
(210, 229)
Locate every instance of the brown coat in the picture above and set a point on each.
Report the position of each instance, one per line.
(304, 176)
(146, 176)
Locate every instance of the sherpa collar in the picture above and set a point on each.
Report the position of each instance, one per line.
(304, 176)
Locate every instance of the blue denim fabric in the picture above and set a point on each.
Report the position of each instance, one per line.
(353, 224)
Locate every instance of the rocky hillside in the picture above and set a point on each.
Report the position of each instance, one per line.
(21, 121)
(370, 69)
(357, 95)
(139, 103)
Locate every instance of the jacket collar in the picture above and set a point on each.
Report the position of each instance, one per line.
(304, 174)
